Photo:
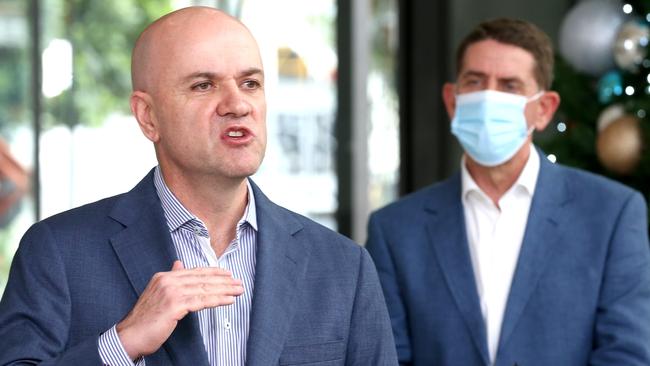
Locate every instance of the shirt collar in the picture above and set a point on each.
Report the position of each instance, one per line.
(176, 214)
(527, 179)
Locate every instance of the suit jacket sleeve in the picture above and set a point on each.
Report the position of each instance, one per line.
(378, 247)
(623, 315)
(35, 310)
(370, 341)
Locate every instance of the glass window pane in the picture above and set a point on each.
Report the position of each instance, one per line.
(300, 61)
(16, 130)
(383, 140)
(91, 146)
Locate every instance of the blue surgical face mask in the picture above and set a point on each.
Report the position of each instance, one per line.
(491, 125)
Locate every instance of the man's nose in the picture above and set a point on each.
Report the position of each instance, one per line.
(233, 102)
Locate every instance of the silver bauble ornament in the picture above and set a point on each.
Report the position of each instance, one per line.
(588, 32)
(630, 46)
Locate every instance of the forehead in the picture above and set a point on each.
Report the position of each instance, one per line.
(500, 60)
(223, 48)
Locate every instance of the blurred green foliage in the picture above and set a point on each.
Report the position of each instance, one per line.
(102, 34)
(579, 111)
(13, 86)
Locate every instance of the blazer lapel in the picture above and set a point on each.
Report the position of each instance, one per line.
(446, 229)
(541, 239)
(144, 248)
(281, 265)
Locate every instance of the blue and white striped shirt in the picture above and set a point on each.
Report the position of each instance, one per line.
(225, 328)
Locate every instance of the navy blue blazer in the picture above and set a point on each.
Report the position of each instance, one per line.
(580, 294)
(317, 298)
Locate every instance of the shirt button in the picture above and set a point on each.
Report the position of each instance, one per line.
(226, 324)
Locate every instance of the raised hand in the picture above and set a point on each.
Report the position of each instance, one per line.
(170, 296)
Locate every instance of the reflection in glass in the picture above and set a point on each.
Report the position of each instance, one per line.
(299, 55)
(383, 140)
(91, 146)
(16, 133)
(57, 67)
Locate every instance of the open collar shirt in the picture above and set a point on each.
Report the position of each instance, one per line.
(495, 234)
(224, 329)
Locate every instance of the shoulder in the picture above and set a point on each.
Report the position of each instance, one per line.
(590, 204)
(83, 214)
(595, 189)
(95, 222)
(327, 250)
(87, 222)
(271, 216)
(443, 193)
(72, 237)
(99, 215)
(321, 238)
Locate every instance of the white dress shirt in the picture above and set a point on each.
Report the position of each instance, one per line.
(495, 234)
(224, 328)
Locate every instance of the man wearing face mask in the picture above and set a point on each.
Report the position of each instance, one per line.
(513, 260)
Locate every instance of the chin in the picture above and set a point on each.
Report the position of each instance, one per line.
(243, 171)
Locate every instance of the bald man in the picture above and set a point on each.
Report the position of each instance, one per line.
(193, 266)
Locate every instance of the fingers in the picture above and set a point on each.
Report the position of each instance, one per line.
(196, 288)
(219, 285)
(178, 269)
(177, 265)
(203, 301)
(190, 298)
(168, 298)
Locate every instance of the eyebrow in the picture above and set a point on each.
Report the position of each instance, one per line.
(471, 73)
(252, 71)
(213, 75)
(514, 80)
(482, 75)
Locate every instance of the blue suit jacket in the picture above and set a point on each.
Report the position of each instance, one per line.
(317, 298)
(580, 294)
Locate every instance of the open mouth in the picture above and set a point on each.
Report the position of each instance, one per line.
(237, 133)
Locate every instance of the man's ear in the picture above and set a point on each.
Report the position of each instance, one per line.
(546, 107)
(141, 106)
(449, 98)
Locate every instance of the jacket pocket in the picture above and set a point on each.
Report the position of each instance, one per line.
(318, 353)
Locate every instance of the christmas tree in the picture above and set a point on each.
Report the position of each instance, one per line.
(602, 73)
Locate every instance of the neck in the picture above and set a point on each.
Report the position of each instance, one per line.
(497, 180)
(218, 202)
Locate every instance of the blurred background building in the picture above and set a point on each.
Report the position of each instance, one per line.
(355, 113)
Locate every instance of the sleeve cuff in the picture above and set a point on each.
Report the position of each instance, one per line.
(112, 352)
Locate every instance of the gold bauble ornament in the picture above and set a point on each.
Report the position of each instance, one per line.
(619, 145)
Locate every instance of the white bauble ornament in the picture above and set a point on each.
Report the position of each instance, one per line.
(587, 35)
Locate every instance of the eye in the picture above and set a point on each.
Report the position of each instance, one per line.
(470, 82)
(202, 86)
(512, 87)
(251, 84)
